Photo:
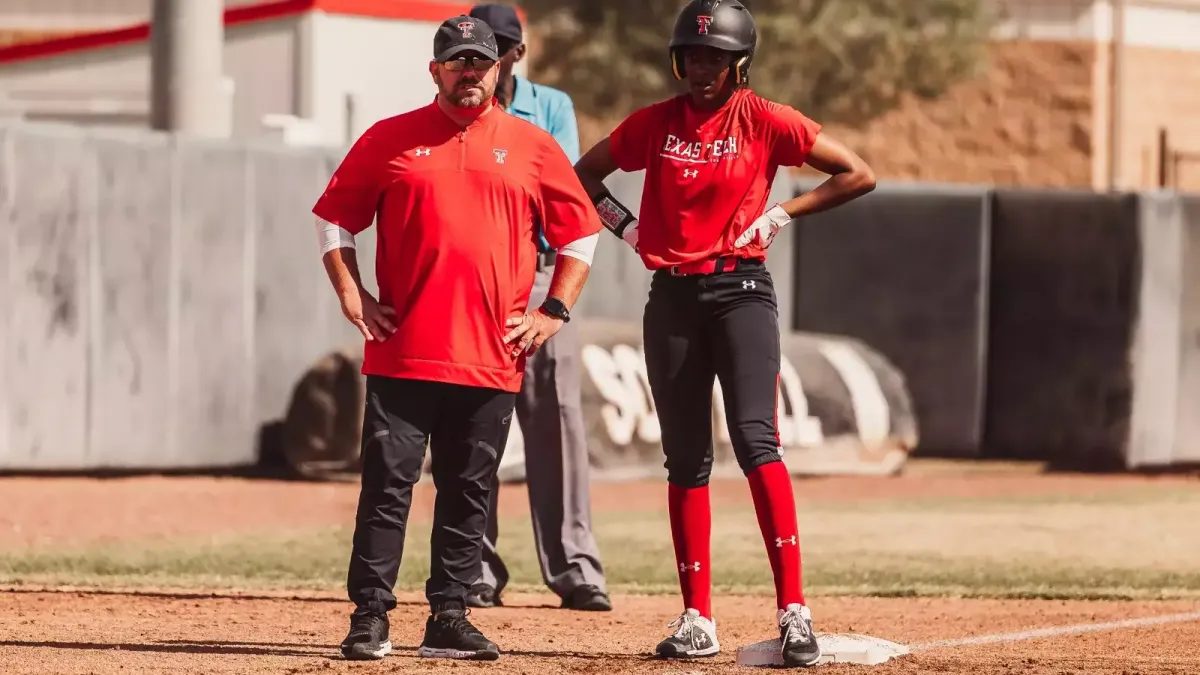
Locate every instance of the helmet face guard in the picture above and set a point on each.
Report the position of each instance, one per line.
(721, 24)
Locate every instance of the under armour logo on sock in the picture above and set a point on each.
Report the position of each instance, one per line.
(684, 567)
(748, 284)
(780, 542)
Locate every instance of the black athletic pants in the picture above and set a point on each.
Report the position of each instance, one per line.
(698, 327)
(465, 428)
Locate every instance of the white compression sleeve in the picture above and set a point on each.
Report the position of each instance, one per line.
(331, 236)
(582, 249)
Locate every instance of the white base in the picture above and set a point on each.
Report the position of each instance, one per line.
(835, 648)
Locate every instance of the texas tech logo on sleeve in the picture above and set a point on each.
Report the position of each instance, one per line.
(703, 21)
(467, 29)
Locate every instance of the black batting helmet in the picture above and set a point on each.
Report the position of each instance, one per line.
(724, 24)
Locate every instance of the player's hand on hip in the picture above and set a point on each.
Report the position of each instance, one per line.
(529, 331)
(374, 320)
(763, 230)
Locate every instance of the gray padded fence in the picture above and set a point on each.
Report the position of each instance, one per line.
(1064, 277)
(904, 269)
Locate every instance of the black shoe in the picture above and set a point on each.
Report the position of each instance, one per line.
(587, 598)
(368, 637)
(798, 641)
(449, 635)
(482, 595)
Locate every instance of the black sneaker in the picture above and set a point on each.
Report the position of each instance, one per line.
(798, 641)
(368, 637)
(482, 595)
(449, 635)
(587, 598)
(693, 636)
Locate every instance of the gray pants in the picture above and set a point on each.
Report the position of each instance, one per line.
(556, 465)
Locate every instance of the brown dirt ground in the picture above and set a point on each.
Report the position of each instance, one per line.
(74, 631)
(69, 632)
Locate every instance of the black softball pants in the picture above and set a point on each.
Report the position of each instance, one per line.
(700, 327)
(465, 429)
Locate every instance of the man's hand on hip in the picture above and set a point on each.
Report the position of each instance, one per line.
(530, 331)
(373, 320)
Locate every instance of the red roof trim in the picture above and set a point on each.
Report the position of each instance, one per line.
(413, 10)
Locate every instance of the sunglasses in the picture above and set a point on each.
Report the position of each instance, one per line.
(477, 63)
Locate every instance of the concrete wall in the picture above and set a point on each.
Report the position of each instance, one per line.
(163, 296)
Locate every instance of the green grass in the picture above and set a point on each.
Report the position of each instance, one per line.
(1139, 544)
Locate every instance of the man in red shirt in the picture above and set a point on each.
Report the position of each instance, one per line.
(710, 157)
(455, 189)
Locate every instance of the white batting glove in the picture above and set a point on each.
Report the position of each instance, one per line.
(630, 235)
(763, 230)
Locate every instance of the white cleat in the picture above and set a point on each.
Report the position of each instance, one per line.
(694, 637)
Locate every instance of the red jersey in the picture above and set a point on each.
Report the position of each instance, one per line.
(455, 212)
(708, 173)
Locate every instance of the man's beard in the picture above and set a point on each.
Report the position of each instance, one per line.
(467, 98)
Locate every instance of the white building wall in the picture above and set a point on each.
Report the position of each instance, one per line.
(1164, 24)
(53, 15)
(112, 85)
(365, 69)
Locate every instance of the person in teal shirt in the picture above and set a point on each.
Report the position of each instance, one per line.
(549, 408)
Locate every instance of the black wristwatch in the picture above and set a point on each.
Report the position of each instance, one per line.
(555, 308)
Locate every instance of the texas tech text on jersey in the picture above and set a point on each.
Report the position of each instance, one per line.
(699, 151)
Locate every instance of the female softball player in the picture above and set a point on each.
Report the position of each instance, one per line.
(710, 157)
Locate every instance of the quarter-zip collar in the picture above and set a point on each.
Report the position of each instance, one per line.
(482, 120)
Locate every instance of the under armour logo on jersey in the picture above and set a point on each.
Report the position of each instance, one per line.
(780, 542)
(467, 29)
(500, 155)
(747, 284)
(423, 152)
(691, 173)
(684, 567)
(703, 21)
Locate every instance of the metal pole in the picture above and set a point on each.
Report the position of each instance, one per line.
(187, 38)
(1164, 157)
(1116, 94)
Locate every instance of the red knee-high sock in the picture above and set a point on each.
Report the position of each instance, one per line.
(691, 528)
(775, 506)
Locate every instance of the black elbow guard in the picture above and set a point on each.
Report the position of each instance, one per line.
(613, 213)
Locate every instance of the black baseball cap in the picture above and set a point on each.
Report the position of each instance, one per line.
(462, 34)
(502, 18)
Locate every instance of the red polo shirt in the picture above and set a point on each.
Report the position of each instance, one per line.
(708, 173)
(455, 257)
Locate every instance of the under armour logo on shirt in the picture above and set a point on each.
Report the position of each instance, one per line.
(780, 542)
(423, 152)
(691, 173)
(684, 567)
(748, 284)
(500, 155)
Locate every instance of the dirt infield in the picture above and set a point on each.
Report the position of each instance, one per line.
(106, 634)
(71, 631)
